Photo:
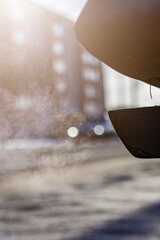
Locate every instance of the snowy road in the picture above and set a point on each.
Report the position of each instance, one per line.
(109, 199)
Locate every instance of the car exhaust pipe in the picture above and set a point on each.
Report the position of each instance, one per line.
(139, 130)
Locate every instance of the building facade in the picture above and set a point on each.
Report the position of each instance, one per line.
(47, 79)
(124, 92)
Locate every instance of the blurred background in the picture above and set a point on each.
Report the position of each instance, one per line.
(51, 87)
(64, 173)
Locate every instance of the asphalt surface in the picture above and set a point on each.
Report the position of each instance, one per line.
(107, 199)
(21, 154)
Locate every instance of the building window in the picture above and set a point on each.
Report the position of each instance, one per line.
(58, 30)
(91, 75)
(87, 58)
(90, 91)
(17, 14)
(90, 108)
(60, 67)
(19, 37)
(58, 48)
(62, 105)
(23, 103)
(61, 87)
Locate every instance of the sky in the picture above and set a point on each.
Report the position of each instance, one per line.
(68, 8)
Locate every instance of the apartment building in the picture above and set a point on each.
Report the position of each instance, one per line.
(47, 78)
